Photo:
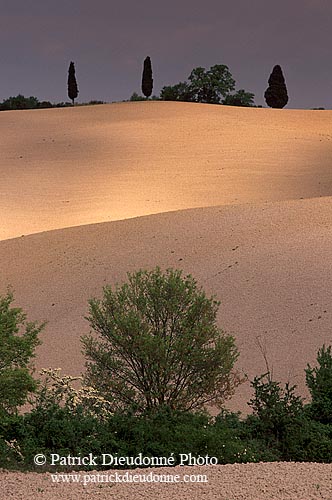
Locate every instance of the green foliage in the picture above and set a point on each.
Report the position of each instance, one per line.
(19, 102)
(45, 105)
(276, 94)
(162, 433)
(136, 97)
(18, 340)
(94, 102)
(72, 83)
(59, 430)
(179, 92)
(159, 344)
(280, 421)
(232, 443)
(240, 98)
(56, 390)
(279, 430)
(274, 407)
(157, 330)
(319, 382)
(147, 80)
(211, 85)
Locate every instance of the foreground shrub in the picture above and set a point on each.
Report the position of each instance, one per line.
(18, 340)
(56, 390)
(319, 382)
(72, 430)
(159, 345)
(163, 433)
(283, 423)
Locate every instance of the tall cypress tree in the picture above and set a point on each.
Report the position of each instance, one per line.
(72, 84)
(147, 80)
(276, 94)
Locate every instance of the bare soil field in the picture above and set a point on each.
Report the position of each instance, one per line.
(68, 167)
(262, 481)
(239, 198)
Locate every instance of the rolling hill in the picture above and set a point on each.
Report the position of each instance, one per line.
(240, 198)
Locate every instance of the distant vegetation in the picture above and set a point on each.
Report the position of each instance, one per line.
(213, 86)
(276, 94)
(158, 352)
(72, 83)
(147, 80)
(136, 97)
(21, 102)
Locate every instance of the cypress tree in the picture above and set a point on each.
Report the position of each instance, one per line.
(72, 84)
(276, 94)
(147, 80)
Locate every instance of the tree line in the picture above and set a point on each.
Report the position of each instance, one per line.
(213, 86)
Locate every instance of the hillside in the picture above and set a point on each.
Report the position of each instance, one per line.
(240, 197)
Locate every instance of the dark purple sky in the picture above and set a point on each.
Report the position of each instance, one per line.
(108, 41)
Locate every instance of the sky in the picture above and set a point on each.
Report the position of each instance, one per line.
(108, 40)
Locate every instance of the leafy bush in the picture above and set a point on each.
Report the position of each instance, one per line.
(18, 340)
(240, 98)
(136, 97)
(159, 345)
(179, 92)
(45, 105)
(161, 433)
(319, 382)
(56, 390)
(284, 425)
(19, 102)
(95, 102)
(274, 408)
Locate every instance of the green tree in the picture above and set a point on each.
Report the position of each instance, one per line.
(276, 94)
(179, 92)
(159, 344)
(18, 340)
(212, 85)
(273, 405)
(319, 383)
(240, 98)
(136, 97)
(278, 416)
(147, 80)
(19, 102)
(72, 83)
